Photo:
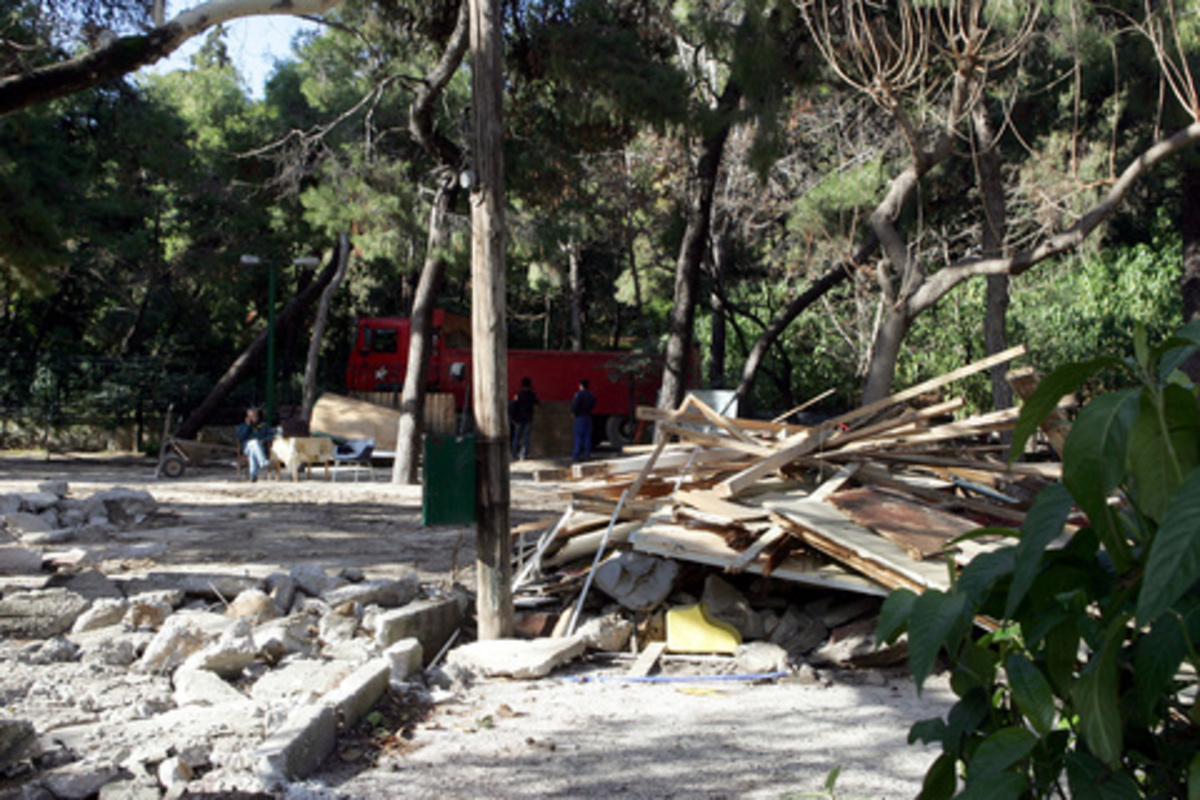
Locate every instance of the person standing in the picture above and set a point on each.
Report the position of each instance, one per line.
(520, 414)
(254, 437)
(581, 409)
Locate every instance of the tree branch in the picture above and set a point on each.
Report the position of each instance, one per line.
(130, 53)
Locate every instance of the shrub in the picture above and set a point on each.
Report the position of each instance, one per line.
(1084, 684)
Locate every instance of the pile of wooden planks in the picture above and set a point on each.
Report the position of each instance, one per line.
(868, 501)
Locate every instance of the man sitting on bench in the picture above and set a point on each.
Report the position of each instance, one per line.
(254, 437)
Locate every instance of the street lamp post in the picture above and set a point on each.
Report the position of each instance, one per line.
(251, 261)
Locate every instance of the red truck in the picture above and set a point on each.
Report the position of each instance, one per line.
(620, 380)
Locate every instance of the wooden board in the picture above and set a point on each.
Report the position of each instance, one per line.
(833, 533)
(702, 547)
(647, 659)
(922, 531)
(710, 503)
(347, 418)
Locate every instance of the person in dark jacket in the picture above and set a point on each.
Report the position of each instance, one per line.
(254, 437)
(581, 409)
(520, 414)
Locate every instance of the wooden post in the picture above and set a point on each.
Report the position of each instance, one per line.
(489, 378)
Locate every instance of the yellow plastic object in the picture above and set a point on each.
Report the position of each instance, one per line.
(690, 629)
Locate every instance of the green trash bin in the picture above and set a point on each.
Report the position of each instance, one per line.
(449, 481)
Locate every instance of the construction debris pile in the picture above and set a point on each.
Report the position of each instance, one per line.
(873, 500)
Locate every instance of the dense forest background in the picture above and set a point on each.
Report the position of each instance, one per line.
(733, 158)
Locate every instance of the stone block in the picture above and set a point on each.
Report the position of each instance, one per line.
(181, 635)
(431, 621)
(314, 580)
(254, 605)
(637, 581)
(727, 604)
(18, 560)
(195, 686)
(406, 657)
(514, 658)
(385, 593)
(360, 690)
(609, 633)
(58, 488)
(121, 506)
(104, 612)
(23, 523)
(37, 502)
(18, 742)
(306, 738)
(39, 614)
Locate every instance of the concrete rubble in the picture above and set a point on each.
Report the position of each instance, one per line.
(168, 685)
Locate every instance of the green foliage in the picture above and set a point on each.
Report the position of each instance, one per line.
(1085, 684)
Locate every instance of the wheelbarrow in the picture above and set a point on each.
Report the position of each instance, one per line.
(176, 454)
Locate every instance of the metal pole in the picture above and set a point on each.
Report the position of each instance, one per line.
(271, 417)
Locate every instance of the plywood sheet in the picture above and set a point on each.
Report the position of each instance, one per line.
(921, 530)
(347, 418)
(829, 530)
(702, 547)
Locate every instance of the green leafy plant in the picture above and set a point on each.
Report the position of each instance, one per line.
(1072, 649)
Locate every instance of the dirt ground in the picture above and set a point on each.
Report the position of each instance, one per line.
(585, 732)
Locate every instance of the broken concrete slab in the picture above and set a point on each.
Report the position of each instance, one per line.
(383, 593)
(760, 658)
(40, 614)
(637, 581)
(183, 634)
(406, 657)
(360, 690)
(229, 654)
(23, 524)
(16, 559)
(196, 686)
(431, 621)
(254, 605)
(294, 751)
(121, 506)
(298, 682)
(514, 658)
(727, 604)
(18, 742)
(314, 580)
(80, 780)
(37, 502)
(89, 583)
(209, 585)
(608, 633)
(58, 488)
(335, 627)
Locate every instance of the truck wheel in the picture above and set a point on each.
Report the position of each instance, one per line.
(619, 430)
(171, 467)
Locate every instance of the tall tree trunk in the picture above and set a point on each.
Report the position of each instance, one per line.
(493, 540)
(412, 398)
(716, 306)
(885, 354)
(991, 194)
(1189, 229)
(247, 360)
(449, 156)
(691, 253)
(318, 332)
(575, 292)
(833, 277)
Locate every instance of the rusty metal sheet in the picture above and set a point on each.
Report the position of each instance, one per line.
(921, 530)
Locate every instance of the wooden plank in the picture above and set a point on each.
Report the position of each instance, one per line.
(710, 503)
(717, 419)
(714, 440)
(807, 442)
(803, 405)
(833, 484)
(891, 425)
(701, 547)
(833, 533)
(881, 477)
(1050, 472)
(760, 427)
(773, 535)
(646, 660)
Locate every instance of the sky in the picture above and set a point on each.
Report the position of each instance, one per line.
(255, 44)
